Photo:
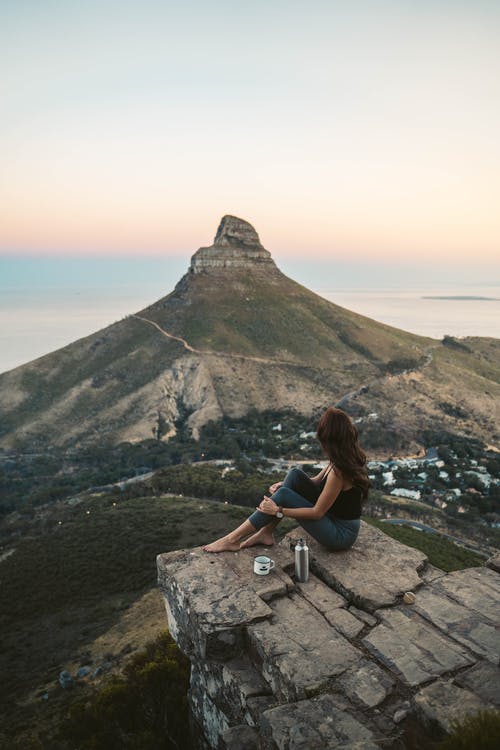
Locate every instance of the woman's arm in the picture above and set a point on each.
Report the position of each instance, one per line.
(324, 502)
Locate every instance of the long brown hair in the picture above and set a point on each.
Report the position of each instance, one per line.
(339, 439)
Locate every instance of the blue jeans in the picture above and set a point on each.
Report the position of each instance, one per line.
(298, 491)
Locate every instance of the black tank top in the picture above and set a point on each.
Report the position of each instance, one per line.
(347, 506)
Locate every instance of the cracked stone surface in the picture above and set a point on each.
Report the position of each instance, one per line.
(469, 627)
(411, 648)
(477, 589)
(366, 684)
(298, 649)
(484, 680)
(338, 661)
(375, 572)
(442, 702)
(331, 606)
(207, 600)
(230, 685)
(315, 724)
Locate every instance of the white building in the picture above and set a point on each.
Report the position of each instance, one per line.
(402, 492)
(388, 477)
(307, 435)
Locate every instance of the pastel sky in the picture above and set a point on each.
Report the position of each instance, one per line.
(361, 129)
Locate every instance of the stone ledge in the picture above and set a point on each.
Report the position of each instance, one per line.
(270, 655)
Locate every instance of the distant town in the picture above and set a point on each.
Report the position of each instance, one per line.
(462, 483)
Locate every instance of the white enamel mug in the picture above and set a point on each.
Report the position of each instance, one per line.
(262, 565)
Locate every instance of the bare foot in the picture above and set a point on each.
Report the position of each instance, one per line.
(262, 536)
(222, 545)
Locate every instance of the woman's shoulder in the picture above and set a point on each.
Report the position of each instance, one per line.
(347, 483)
(334, 477)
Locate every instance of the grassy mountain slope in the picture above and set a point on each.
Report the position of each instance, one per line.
(246, 338)
(268, 314)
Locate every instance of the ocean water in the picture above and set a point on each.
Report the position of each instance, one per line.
(435, 312)
(46, 303)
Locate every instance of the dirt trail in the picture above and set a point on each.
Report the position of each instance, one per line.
(340, 403)
(388, 376)
(213, 352)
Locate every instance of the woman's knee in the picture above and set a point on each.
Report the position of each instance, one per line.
(280, 494)
(295, 471)
(293, 476)
(286, 496)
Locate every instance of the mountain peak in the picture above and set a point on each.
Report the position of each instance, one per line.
(236, 245)
(235, 231)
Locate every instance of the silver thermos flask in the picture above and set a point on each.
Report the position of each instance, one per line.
(301, 561)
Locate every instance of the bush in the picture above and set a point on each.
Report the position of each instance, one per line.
(146, 709)
(478, 732)
(441, 552)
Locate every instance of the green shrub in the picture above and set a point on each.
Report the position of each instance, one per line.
(145, 709)
(478, 732)
(441, 552)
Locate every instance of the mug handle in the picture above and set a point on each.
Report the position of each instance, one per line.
(272, 564)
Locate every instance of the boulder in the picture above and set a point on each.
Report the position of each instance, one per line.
(65, 679)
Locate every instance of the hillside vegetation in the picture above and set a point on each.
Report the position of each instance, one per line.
(78, 589)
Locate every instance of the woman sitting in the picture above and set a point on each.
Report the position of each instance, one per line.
(327, 506)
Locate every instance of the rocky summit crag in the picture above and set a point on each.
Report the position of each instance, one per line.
(236, 245)
(237, 334)
(340, 661)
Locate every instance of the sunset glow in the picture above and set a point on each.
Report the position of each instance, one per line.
(356, 130)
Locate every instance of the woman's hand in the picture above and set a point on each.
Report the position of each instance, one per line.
(268, 506)
(274, 487)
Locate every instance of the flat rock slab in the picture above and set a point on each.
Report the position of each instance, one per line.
(484, 680)
(299, 651)
(373, 573)
(276, 583)
(467, 626)
(314, 724)
(477, 589)
(442, 702)
(321, 596)
(412, 648)
(208, 599)
(365, 684)
(331, 605)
